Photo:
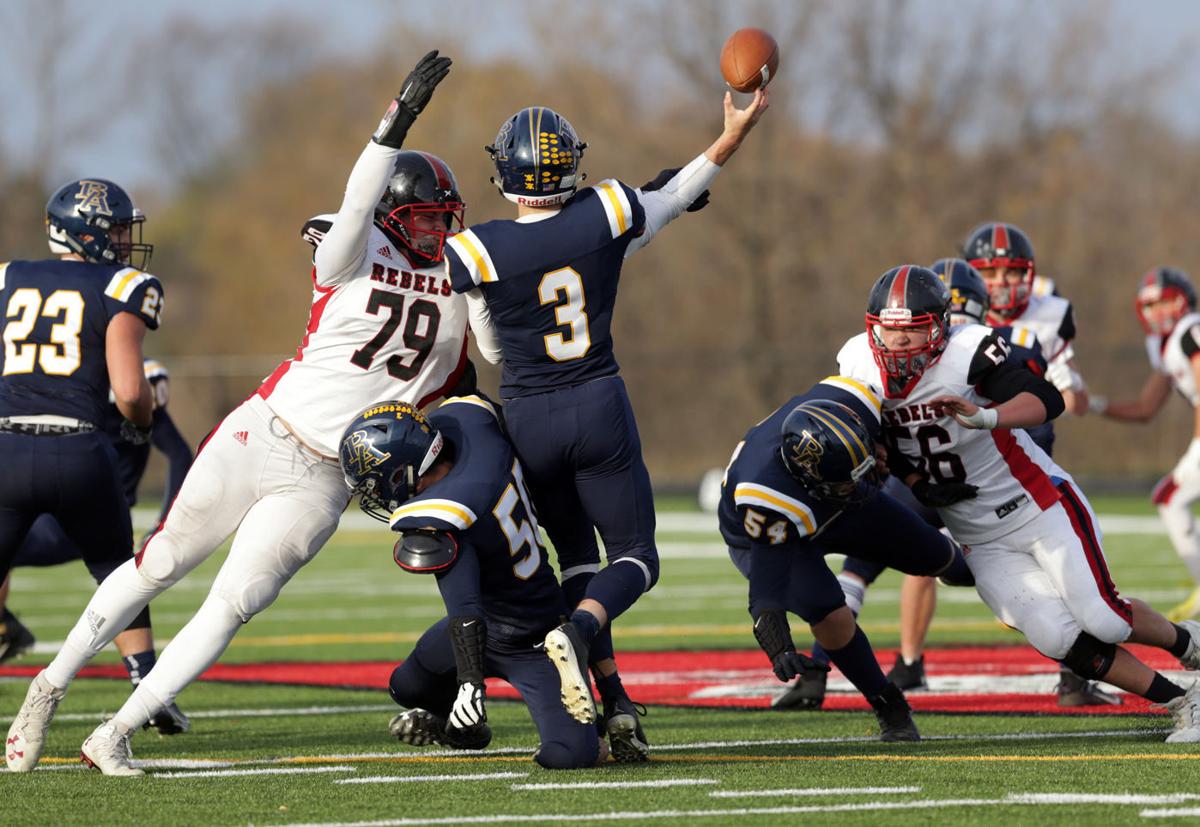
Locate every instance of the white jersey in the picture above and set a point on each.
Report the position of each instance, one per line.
(379, 328)
(1052, 321)
(1174, 358)
(1016, 479)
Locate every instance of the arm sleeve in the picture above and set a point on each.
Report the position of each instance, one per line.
(769, 569)
(345, 245)
(482, 326)
(1002, 382)
(1190, 341)
(459, 585)
(664, 205)
(166, 438)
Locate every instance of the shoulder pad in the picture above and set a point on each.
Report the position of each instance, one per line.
(424, 551)
(869, 395)
(478, 400)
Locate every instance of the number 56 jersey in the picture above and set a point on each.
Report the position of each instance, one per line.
(1016, 479)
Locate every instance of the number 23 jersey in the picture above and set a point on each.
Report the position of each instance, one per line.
(1016, 479)
(386, 331)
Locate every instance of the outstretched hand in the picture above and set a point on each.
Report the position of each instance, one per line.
(738, 123)
(414, 96)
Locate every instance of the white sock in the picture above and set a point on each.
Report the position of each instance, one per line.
(116, 602)
(194, 649)
(854, 590)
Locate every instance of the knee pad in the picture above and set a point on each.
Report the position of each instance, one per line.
(254, 595)
(1049, 638)
(1089, 657)
(1103, 623)
(555, 755)
(645, 559)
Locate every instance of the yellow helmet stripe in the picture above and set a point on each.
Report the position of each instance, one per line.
(841, 430)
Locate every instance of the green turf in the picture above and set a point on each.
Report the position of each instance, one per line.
(352, 603)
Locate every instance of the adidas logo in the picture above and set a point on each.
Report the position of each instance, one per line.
(241, 436)
(384, 251)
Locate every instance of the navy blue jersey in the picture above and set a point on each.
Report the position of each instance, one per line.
(551, 286)
(55, 318)
(761, 503)
(483, 502)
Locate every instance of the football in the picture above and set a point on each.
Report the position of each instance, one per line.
(749, 59)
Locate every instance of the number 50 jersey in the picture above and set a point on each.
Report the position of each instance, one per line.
(55, 315)
(551, 285)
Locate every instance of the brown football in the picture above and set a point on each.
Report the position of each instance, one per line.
(749, 59)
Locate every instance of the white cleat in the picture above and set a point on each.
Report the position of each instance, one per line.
(108, 750)
(563, 649)
(27, 735)
(1191, 658)
(1185, 713)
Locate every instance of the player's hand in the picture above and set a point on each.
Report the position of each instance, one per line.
(790, 663)
(133, 433)
(666, 175)
(1063, 377)
(414, 96)
(943, 495)
(469, 708)
(738, 123)
(967, 413)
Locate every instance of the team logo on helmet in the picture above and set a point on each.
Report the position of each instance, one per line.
(806, 453)
(93, 197)
(361, 454)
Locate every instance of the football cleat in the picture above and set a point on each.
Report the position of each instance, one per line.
(1188, 608)
(15, 637)
(569, 656)
(108, 750)
(625, 737)
(1075, 691)
(904, 675)
(418, 728)
(1191, 657)
(806, 692)
(894, 715)
(476, 736)
(27, 735)
(1185, 715)
(170, 721)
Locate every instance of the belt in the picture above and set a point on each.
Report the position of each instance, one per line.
(44, 425)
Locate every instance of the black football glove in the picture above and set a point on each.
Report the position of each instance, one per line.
(133, 433)
(773, 635)
(414, 96)
(943, 494)
(666, 175)
(790, 663)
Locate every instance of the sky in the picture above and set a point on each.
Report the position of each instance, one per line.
(1149, 27)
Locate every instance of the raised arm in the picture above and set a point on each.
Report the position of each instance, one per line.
(1148, 402)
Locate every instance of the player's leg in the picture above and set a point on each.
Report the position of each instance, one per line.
(1175, 497)
(565, 743)
(808, 690)
(918, 602)
(425, 684)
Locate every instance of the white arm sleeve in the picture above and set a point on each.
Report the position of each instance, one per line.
(345, 245)
(665, 205)
(480, 319)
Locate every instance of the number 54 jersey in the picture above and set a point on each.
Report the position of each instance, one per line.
(1016, 479)
(386, 330)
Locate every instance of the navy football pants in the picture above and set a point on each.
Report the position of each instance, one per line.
(428, 680)
(868, 570)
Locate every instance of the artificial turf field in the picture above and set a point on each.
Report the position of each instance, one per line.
(266, 754)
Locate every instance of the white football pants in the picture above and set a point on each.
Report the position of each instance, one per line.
(1174, 496)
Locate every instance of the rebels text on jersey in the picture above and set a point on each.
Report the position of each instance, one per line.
(386, 330)
(56, 316)
(1015, 478)
(483, 502)
(551, 286)
(1173, 357)
(761, 503)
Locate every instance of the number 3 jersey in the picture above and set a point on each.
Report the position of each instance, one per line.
(551, 285)
(56, 316)
(384, 331)
(1014, 476)
(761, 503)
(483, 502)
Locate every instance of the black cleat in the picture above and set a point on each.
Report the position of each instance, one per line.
(807, 692)
(15, 637)
(625, 737)
(170, 721)
(908, 676)
(894, 715)
(1075, 691)
(418, 728)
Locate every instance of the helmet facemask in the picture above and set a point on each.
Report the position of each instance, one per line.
(1007, 299)
(424, 245)
(1173, 303)
(905, 365)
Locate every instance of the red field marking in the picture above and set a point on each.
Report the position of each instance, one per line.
(737, 679)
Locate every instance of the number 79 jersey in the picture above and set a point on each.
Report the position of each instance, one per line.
(386, 331)
(1016, 479)
(551, 286)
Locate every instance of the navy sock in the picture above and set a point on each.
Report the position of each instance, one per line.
(139, 665)
(858, 664)
(587, 624)
(1162, 690)
(1182, 639)
(609, 686)
(617, 587)
(819, 654)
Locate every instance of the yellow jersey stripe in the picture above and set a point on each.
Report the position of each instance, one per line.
(449, 511)
(473, 247)
(472, 399)
(860, 389)
(122, 283)
(746, 491)
(616, 212)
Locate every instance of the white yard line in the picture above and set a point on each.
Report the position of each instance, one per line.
(814, 791)
(261, 771)
(1178, 812)
(619, 785)
(240, 713)
(407, 779)
(1100, 798)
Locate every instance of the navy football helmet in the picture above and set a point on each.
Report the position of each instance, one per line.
(912, 298)
(828, 450)
(968, 294)
(537, 156)
(1163, 284)
(383, 453)
(996, 244)
(421, 184)
(96, 220)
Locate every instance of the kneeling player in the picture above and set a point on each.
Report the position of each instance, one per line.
(790, 479)
(452, 487)
(954, 407)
